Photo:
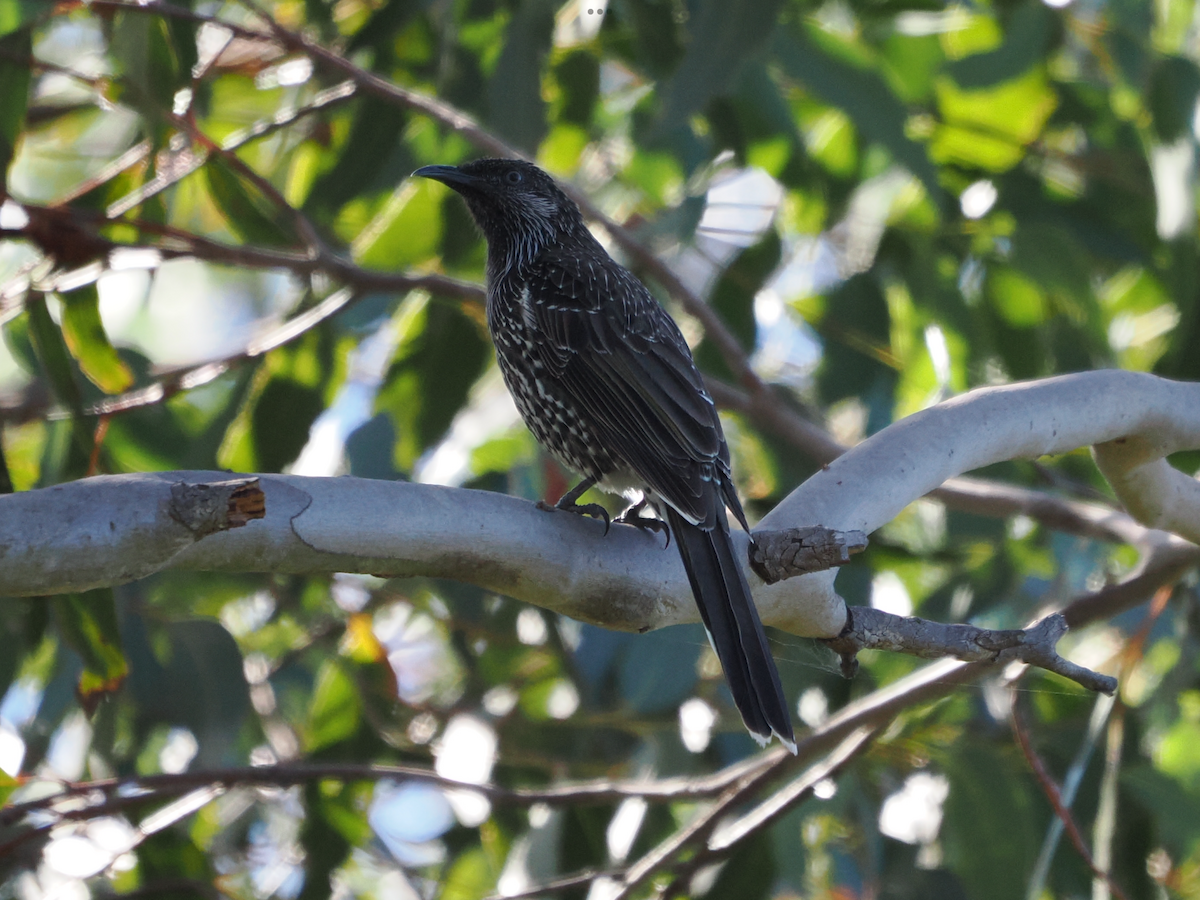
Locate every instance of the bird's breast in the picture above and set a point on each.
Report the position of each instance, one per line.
(549, 409)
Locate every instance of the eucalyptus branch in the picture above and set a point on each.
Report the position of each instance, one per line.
(113, 529)
(869, 485)
(285, 118)
(874, 629)
(974, 495)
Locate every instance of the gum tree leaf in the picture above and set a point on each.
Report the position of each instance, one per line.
(862, 94)
(88, 624)
(733, 297)
(88, 342)
(725, 35)
(52, 352)
(516, 110)
(1030, 33)
(248, 213)
(334, 712)
(15, 97)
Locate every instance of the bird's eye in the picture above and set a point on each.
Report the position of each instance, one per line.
(513, 177)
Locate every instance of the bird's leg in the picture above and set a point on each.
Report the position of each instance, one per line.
(567, 502)
(633, 516)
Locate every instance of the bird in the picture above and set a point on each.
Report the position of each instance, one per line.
(606, 382)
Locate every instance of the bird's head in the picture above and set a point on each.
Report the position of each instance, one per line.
(516, 205)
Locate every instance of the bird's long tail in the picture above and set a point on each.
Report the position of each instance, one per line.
(737, 635)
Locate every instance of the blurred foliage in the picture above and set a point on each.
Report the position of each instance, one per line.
(888, 203)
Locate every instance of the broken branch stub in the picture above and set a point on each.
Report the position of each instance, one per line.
(777, 555)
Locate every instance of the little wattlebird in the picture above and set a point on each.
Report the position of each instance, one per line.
(606, 383)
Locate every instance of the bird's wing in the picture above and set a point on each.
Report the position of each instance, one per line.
(617, 353)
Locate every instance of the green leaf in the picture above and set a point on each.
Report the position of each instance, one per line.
(375, 134)
(333, 715)
(1175, 806)
(470, 877)
(910, 64)
(8, 784)
(989, 127)
(733, 298)
(578, 78)
(989, 831)
(407, 230)
(725, 34)
(440, 355)
(325, 847)
(857, 331)
(750, 872)
(861, 94)
(14, 98)
(516, 110)
(658, 671)
(1174, 85)
(142, 46)
(189, 673)
(289, 391)
(52, 352)
(1018, 299)
(283, 414)
(85, 337)
(15, 13)
(88, 624)
(249, 214)
(655, 34)
(1030, 32)
(503, 453)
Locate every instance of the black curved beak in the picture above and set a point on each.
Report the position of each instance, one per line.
(451, 176)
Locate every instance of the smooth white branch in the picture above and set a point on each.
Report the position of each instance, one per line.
(112, 529)
(109, 530)
(1136, 419)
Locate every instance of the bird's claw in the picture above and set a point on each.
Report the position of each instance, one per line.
(633, 516)
(595, 510)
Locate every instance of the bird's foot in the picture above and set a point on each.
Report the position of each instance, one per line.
(567, 503)
(633, 516)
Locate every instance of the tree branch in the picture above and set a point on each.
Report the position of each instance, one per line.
(556, 561)
(113, 529)
(871, 483)
(874, 629)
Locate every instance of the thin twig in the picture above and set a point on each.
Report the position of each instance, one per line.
(1050, 789)
(873, 629)
(579, 879)
(149, 788)
(700, 831)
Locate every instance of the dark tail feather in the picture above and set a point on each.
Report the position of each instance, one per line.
(723, 597)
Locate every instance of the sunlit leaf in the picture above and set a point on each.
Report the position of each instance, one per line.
(469, 878)
(1030, 30)
(863, 95)
(88, 342)
(405, 230)
(334, 712)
